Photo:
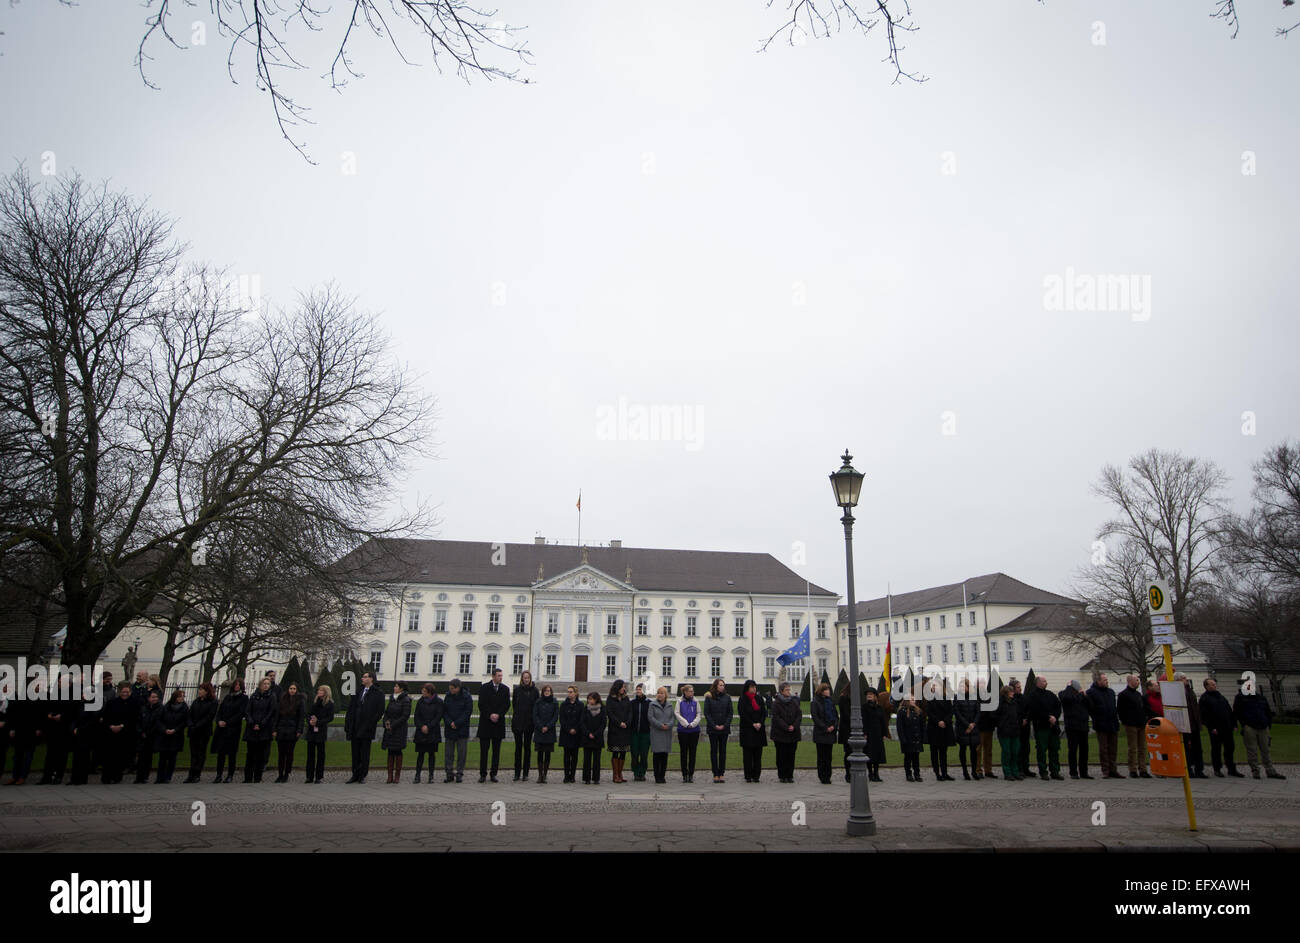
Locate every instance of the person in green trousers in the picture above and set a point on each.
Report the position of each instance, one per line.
(1007, 718)
(640, 733)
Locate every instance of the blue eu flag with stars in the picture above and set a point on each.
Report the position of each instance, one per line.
(796, 651)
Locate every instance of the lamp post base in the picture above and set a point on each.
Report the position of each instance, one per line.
(861, 822)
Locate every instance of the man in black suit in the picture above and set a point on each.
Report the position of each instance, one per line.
(364, 711)
(493, 703)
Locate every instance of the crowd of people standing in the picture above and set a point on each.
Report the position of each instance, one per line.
(138, 732)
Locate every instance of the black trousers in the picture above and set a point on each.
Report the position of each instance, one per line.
(939, 759)
(83, 755)
(116, 750)
(485, 746)
(143, 762)
(315, 760)
(361, 757)
(825, 761)
(753, 758)
(785, 760)
(912, 761)
(198, 753)
(660, 761)
(226, 760)
(1222, 747)
(1195, 755)
(255, 759)
(718, 751)
(687, 744)
(570, 763)
(1076, 748)
(1026, 735)
(423, 749)
(284, 755)
(56, 756)
(523, 750)
(166, 764)
(591, 764)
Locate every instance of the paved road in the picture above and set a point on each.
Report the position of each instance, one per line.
(1233, 814)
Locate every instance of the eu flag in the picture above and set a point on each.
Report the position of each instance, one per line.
(796, 651)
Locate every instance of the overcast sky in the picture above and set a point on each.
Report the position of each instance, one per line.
(774, 243)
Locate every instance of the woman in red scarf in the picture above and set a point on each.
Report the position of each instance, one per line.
(753, 730)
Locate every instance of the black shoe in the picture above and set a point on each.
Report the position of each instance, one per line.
(1144, 774)
(493, 778)
(1058, 776)
(516, 776)
(916, 777)
(1028, 774)
(990, 775)
(482, 778)
(1085, 776)
(1074, 775)
(351, 779)
(1218, 773)
(1132, 775)
(448, 778)
(1274, 774)
(459, 778)
(1233, 772)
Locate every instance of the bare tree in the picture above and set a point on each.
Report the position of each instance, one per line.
(159, 412)
(1117, 623)
(1171, 508)
(1226, 10)
(1267, 541)
(814, 19)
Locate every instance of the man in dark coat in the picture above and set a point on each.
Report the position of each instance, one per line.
(875, 724)
(57, 718)
(364, 711)
(1256, 718)
(1074, 710)
(1216, 717)
(493, 704)
(1044, 711)
(1105, 721)
(457, 709)
(1132, 710)
(1022, 758)
(118, 732)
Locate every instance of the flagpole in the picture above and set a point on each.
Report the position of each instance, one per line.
(579, 517)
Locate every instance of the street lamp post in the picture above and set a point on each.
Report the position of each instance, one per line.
(847, 483)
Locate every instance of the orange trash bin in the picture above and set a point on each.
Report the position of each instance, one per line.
(1165, 748)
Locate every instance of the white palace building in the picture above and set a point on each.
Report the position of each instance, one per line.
(448, 608)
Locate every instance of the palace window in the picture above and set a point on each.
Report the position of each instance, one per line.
(715, 626)
(413, 620)
(552, 623)
(408, 663)
(667, 665)
(437, 663)
(642, 625)
(494, 622)
(769, 627)
(690, 666)
(517, 663)
(521, 623)
(582, 623)
(668, 626)
(551, 666)
(740, 666)
(691, 626)
(467, 620)
(611, 624)
(611, 665)
(715, 666)
(440, 620)
(740, 626)
(464, 663)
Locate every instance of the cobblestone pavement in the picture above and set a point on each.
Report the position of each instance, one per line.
(1233, 814)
